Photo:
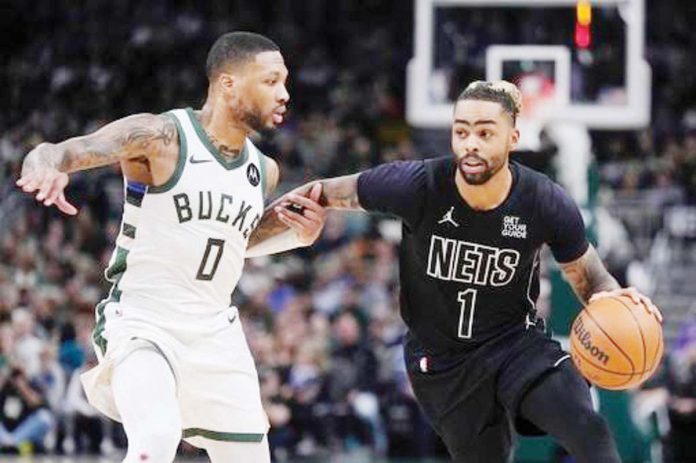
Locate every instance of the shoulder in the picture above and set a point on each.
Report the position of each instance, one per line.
(439, 163)
(531, 177)
(401, 173)
(437, 170)
(536, 186)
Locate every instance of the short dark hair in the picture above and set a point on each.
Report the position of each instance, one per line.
(503, 92)
(236, 48)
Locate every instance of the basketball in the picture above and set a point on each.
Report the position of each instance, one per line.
(615, 343)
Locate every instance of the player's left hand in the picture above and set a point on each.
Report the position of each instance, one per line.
(633, 294)
(303, 214)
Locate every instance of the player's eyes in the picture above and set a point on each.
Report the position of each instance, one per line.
(461, 133)
(485, 134)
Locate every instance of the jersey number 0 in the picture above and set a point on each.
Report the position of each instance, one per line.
(211, 259)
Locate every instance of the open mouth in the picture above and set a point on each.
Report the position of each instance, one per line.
(472, 165)
(279, 115)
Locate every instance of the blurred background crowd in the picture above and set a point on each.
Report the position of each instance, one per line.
(323, 322)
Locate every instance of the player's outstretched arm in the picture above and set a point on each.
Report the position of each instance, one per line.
(283, 228)
(45, 169)
(336, 193)
(590, 281)
(297, 218)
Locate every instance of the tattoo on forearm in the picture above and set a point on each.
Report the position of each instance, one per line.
(587, 275)
(268, 226)
(341, 192)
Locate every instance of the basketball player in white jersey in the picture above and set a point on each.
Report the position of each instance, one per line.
(173, 358)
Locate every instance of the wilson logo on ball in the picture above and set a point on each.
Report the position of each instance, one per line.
(585, 339)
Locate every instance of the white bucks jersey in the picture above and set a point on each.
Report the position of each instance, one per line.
(182, 244)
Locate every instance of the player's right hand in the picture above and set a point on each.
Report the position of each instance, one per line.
(307, 217)
(49, 185)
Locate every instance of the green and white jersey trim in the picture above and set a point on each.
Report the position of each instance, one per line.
(181, 247)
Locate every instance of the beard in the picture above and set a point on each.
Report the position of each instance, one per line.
(478, 178)
(254, 121)
(251, 117)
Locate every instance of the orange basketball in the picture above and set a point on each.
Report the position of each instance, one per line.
(615, 343)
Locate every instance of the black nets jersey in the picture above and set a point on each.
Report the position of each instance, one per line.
(466, 275)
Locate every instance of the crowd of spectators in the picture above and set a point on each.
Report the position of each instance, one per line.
(322, 323)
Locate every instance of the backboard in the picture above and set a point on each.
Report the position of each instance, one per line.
(531, 42)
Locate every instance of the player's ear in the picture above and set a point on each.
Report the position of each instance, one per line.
(226, 82)
(514, 138)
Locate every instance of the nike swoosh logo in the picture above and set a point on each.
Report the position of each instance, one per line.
(232, 319)
(198, 161)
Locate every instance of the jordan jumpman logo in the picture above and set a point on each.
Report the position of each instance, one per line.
(447, 218)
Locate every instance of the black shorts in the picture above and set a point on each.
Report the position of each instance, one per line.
(473, 399)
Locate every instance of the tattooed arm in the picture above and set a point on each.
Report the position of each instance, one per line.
(591, 281)
(587, 275)
(45, 168)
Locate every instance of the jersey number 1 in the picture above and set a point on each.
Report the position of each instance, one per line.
(466, 315)
(206, 271)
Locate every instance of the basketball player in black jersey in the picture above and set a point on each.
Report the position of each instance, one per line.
(473, 224)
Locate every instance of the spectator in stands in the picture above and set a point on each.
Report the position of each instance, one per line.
(85, 426)
(352, 387)
(681, 385)
(26, 419)
(27, 346)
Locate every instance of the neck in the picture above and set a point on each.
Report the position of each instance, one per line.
(219, 122)
(489, 195)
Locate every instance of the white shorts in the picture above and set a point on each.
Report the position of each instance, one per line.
(217, 383)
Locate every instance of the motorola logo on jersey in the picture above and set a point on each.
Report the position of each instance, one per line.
(253, 175)
(218, 207)
(465, 262)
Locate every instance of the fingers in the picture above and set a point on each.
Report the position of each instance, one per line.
(50, 186)
(635, 297)
(656, 312)
(306, 225)
(63, 205)
(292, 219)
(311, 209)
(599, 295)
(303, 219)
(302, 201)
(315, 192)
(53, 194)
(643, 300)
(30, 183)
(633, 294)
(22, 181)
(45, 186)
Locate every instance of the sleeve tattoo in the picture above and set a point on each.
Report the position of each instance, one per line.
(587, 275)
(141, 135)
